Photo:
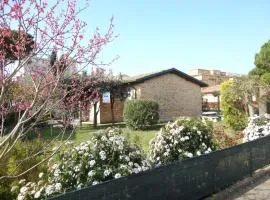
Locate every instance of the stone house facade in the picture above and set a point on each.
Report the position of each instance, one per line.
(177, 94)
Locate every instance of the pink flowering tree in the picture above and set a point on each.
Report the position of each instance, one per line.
(87, 91)
(41, 46)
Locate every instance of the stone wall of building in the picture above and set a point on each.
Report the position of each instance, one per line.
(105, 112)
(176, 96)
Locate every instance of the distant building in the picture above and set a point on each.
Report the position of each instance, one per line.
(211, 98)
(214, 78)
(211, 77)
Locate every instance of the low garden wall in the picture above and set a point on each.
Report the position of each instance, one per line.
(193, 178)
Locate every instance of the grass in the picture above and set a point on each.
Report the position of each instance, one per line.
(139, 137)
(223, 135)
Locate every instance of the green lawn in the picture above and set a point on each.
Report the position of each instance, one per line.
(84, 133)
(139, 137)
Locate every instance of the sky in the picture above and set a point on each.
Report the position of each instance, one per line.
(157, 35)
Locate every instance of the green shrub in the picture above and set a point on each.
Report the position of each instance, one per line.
(139, 114)
(107, 155)
(225, 137)
(17, 161)
(181, 139)
(232, 106)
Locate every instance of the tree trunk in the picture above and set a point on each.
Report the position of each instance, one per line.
(95, 115)
(218, 102)
(250, 110)
(262, 102)
(112, 110)
(80, 114)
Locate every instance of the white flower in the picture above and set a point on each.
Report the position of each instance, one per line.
(37, 194)
(127, 158)
(258, 126)
(102, 155)
(166, 153)
(58, 186)
(107, 172)
(123, 166)
(182, 139)
(91, 173)
(79, 186)
(20, 197)
(95, 182)
(14, 188)
(92, 163)
(186, 138)
(21, 182)
(118, 175)
(190, 155)
(208, 150)
(23, 190)
(136, 170)
(68, 142)
(56, 173)
(41, 175)
(76, 168)
(54, 148)
(120, 147)
(49, 189)
(54, 166)
(103, 138)
(28, 184)
(40, 182)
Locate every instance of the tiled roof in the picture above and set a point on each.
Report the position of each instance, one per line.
(143, 77)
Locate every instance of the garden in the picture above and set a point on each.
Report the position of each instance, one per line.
(50, 74)
(94, 155)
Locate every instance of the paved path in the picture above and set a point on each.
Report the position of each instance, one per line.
(256, 187)
(260, 192)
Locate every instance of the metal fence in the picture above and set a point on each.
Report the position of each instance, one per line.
(193, 178)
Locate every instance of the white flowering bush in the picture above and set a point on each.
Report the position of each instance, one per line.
(108, 155)
(258, 126)
(181, 139)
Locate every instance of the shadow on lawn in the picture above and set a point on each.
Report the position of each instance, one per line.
(83, 132)
(49, 133)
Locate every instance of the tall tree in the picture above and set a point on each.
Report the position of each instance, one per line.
(262, 61)
(15, 44)
(55, 26)
(87, 91)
